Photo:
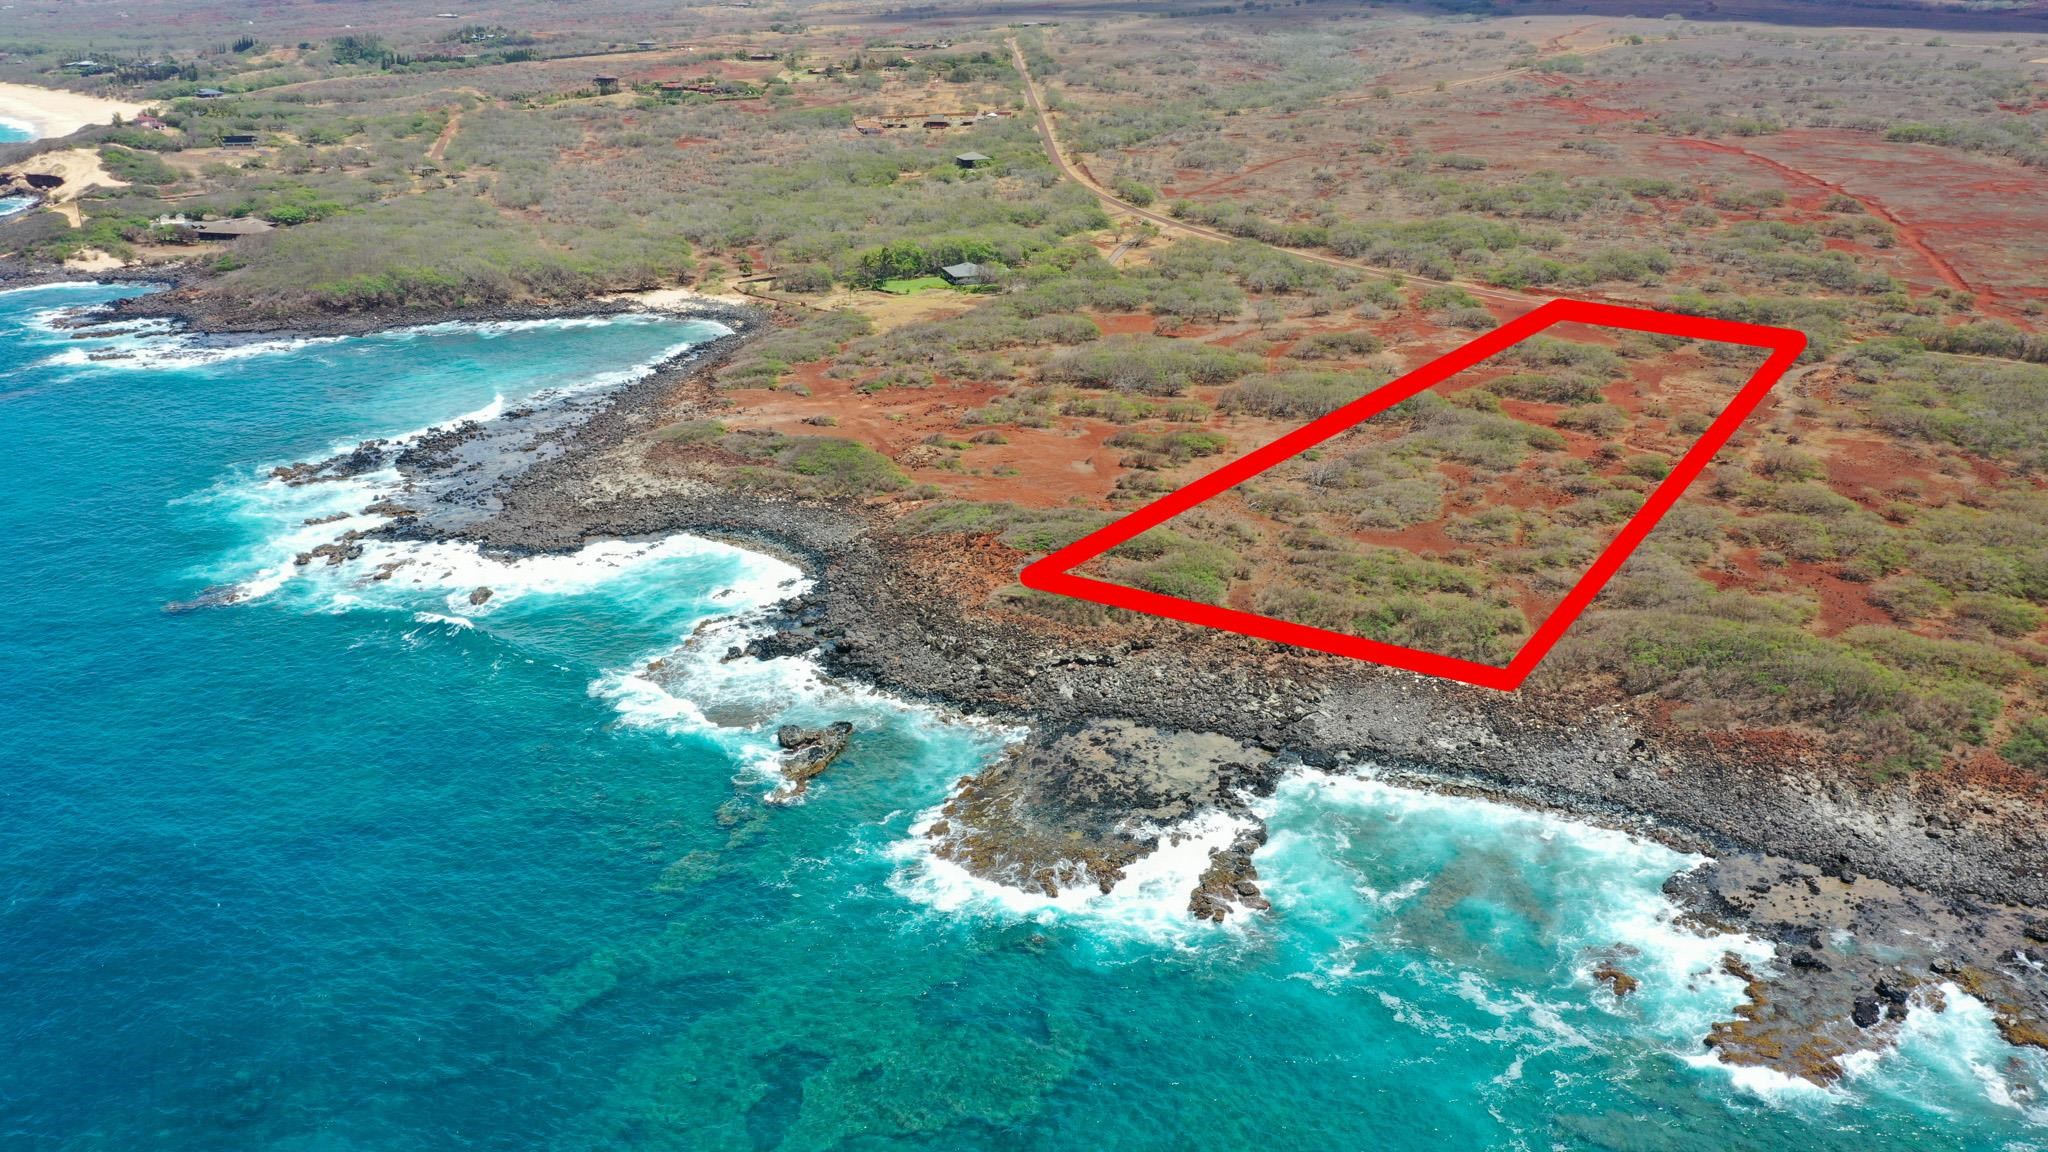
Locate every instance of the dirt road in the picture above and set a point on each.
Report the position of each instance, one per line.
(1908, 235)
(1079, 174)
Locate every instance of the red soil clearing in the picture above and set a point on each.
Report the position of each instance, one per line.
(1909, 235)
(1056, 572)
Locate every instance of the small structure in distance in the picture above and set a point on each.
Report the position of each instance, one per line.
(972, 159)
(230, 229)
(965, 275)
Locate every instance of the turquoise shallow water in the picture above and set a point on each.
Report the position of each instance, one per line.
(359, 865)
(10, 132)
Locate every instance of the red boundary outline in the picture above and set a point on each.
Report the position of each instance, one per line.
(1054, 573)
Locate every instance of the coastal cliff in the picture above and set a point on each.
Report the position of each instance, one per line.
(1875, 892)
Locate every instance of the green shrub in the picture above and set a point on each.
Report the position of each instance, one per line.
(1909, 598)
(1601, 420)
(1548, 388)
(841, 466)
(2001, 614)
(1783, 462)
(1146, 365)
(1184, 576)
(2028, 747)
(691, 432)
(1338, 346)
(1648, 466)
(805, 278)
(1298, 394)
(136, 167)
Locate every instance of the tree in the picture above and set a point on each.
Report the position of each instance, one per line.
(358, 48)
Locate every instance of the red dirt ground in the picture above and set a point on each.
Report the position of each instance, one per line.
(1051, 465)
(1123, 323)
(1968, 214)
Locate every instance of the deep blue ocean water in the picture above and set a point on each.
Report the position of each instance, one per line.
(357, 864)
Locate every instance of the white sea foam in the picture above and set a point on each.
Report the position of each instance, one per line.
(493, 328)
(267, 566)
(1616, 889)
(691, 688)
(158, 347)
(1149, 903)
(54, 286)
(1779, 1089)
(157, 344)
(458, 568)
(1946, 1054)
(1600, 891)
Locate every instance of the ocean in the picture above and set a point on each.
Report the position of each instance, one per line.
(11, 132)
(360, 864)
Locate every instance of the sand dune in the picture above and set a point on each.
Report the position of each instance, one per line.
(80, 168)
(51, 112)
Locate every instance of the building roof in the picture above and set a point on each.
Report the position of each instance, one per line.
(973, 158)
(962, 271)
(208, 92)
(241, 226)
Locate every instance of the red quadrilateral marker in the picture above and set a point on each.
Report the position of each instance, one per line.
(1054, 573)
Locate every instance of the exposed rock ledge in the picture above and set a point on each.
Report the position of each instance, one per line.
(1829, 866)
(1072, 807)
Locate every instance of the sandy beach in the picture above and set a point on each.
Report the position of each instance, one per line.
(52, 112)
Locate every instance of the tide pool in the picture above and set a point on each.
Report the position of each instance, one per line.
(362, 864)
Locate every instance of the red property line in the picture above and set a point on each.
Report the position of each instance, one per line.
(1054, 573)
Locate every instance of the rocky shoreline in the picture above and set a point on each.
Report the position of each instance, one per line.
(209, 313)
(1874, 894)
(210, 316)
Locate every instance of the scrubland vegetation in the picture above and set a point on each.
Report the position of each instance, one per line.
(1866, 564)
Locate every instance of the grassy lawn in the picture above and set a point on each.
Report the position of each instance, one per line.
(912, 287)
